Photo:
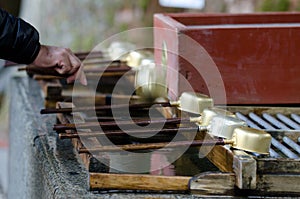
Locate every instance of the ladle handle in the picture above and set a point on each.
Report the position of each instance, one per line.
(102, 108)
(168, 131)
(87, 125)
(150, 146)
(31, 70)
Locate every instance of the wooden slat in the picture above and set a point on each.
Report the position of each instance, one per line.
(220, 156)
(77, 143)
(52, 91)
(213, 183)
(272, 165)
(91, 99)
(64, 119)
(138, 182)
(281, 183)
(46, 77)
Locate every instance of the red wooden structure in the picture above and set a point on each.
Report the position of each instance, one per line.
(250, 58)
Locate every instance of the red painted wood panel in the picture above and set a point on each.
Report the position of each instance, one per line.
(257, 55)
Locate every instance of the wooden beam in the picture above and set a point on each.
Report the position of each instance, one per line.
(52, 92)
(281, 183)
(220, 156)
(88, 160)
(213, 183)
(272, 165)
(138, 182)
(244, 167)
(90, 99)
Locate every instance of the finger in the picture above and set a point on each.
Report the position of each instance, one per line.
(78, 75)
(83, 79)
(71, 78)
(60, 70)
(81, 76)
(68, 63)
(63, 68)
(75, 63)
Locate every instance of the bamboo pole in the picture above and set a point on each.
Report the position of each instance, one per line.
(122, 133)
(151, 146)
(102, 108)
(138, 182)
(87, 125)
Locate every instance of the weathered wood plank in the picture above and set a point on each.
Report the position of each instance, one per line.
(220, 156)
(138, 182)
(244, 167)
(52, 92)
(77, 142)
(67, 119)
(279, 183)
(80, 98)
(281, 165)
(213, 183)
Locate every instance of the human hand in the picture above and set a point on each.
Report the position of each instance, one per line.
(63, 61)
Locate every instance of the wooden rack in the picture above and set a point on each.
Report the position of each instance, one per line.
(237, 173)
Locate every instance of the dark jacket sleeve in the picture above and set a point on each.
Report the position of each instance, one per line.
(19, 41)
